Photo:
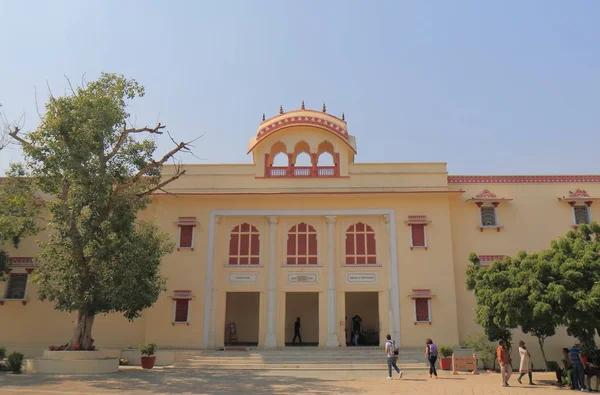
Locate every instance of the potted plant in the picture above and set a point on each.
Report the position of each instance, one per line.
(446, 360)
(148, 357)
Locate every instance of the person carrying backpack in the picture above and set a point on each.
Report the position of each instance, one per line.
(392, 351)
(431, 354)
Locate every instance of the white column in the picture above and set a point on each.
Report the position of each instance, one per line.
(211, 304)
(270, 336)
(332, 338)
(390, 221)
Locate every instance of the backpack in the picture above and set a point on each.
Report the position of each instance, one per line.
(394, 347)
(433, 351)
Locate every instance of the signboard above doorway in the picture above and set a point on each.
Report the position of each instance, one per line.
(302, 278)
(361, 278)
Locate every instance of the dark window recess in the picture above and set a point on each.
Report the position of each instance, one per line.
(422, 310)
(186, 236)
(17, 284)
(181, 310)
(418, 235)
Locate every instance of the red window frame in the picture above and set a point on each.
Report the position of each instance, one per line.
(417, 235)
(244, 245)
(361, 247)
(186, 236)
(302, 248)
(422, 307)
(182, 311)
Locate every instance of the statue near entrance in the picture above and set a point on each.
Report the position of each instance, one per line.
(232, 337)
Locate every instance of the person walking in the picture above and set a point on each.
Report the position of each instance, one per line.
(431, 354)
(504, 361)
(297, 332)
(525, 365)
(578, 367)
(391, 352)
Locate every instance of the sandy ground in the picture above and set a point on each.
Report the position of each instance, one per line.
(192, 382)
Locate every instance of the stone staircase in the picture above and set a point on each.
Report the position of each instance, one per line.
(307, 358)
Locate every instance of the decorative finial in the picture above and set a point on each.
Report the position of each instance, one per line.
(280, 110)
(343, 117)
(302, 107)
(264, 117)
(324, 107)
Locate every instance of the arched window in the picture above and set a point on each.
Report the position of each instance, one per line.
(302, 245)
(360, 245)
(244, 245)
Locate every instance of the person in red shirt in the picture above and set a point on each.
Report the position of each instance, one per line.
(504, 361)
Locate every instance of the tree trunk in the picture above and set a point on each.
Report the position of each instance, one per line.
(541, 342)
(82, 333)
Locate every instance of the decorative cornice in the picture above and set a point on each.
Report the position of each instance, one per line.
(487, 259)
(522, 179)
(579, 194)
(322, 123)
(417, 219)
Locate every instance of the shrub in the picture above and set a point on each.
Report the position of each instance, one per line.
(485, 348)
(446, 351)
(15, 362)
(2, 353)
(148, 349)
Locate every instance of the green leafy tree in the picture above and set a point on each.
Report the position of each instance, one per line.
(100, 257)
(19, 209)
(513, 293)
(539, 292)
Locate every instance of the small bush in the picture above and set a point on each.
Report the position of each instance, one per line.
(148, 349)
(446, 351)
(2, 353)
(15, 362)
(552, 366)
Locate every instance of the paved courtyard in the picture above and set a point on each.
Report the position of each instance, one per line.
(192, 382)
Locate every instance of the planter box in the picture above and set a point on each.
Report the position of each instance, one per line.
(73, 362)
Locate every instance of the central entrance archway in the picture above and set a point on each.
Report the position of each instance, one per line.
(362, 316)
(303, 305)
(242, 318)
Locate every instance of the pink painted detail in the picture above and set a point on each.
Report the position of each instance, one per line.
(303, 171)
(578, 194)
(521, 179)
(486, 194)
(278, 172)
(489, 258)
(302, 120)
(326, 171)
(20, 260)
(182, 294)
(417, 218)
(421, 292)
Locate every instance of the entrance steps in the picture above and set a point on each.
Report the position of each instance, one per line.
(302, 359)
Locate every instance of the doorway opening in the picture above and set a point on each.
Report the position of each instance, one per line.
(362, 318)
(303, 305)
(242, 318)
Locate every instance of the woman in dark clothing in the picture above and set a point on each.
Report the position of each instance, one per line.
(431, 354)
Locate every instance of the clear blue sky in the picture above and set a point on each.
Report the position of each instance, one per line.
(491, 87)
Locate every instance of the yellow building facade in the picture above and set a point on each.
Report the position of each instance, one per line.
(259, 245)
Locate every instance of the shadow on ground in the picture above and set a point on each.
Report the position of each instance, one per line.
(183, 381)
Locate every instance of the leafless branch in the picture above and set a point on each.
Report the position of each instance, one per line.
(162, 184)
(14, 133)
(70, 86)
(126, 132)
(37, 107)
(153, 165)
(49, 90)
